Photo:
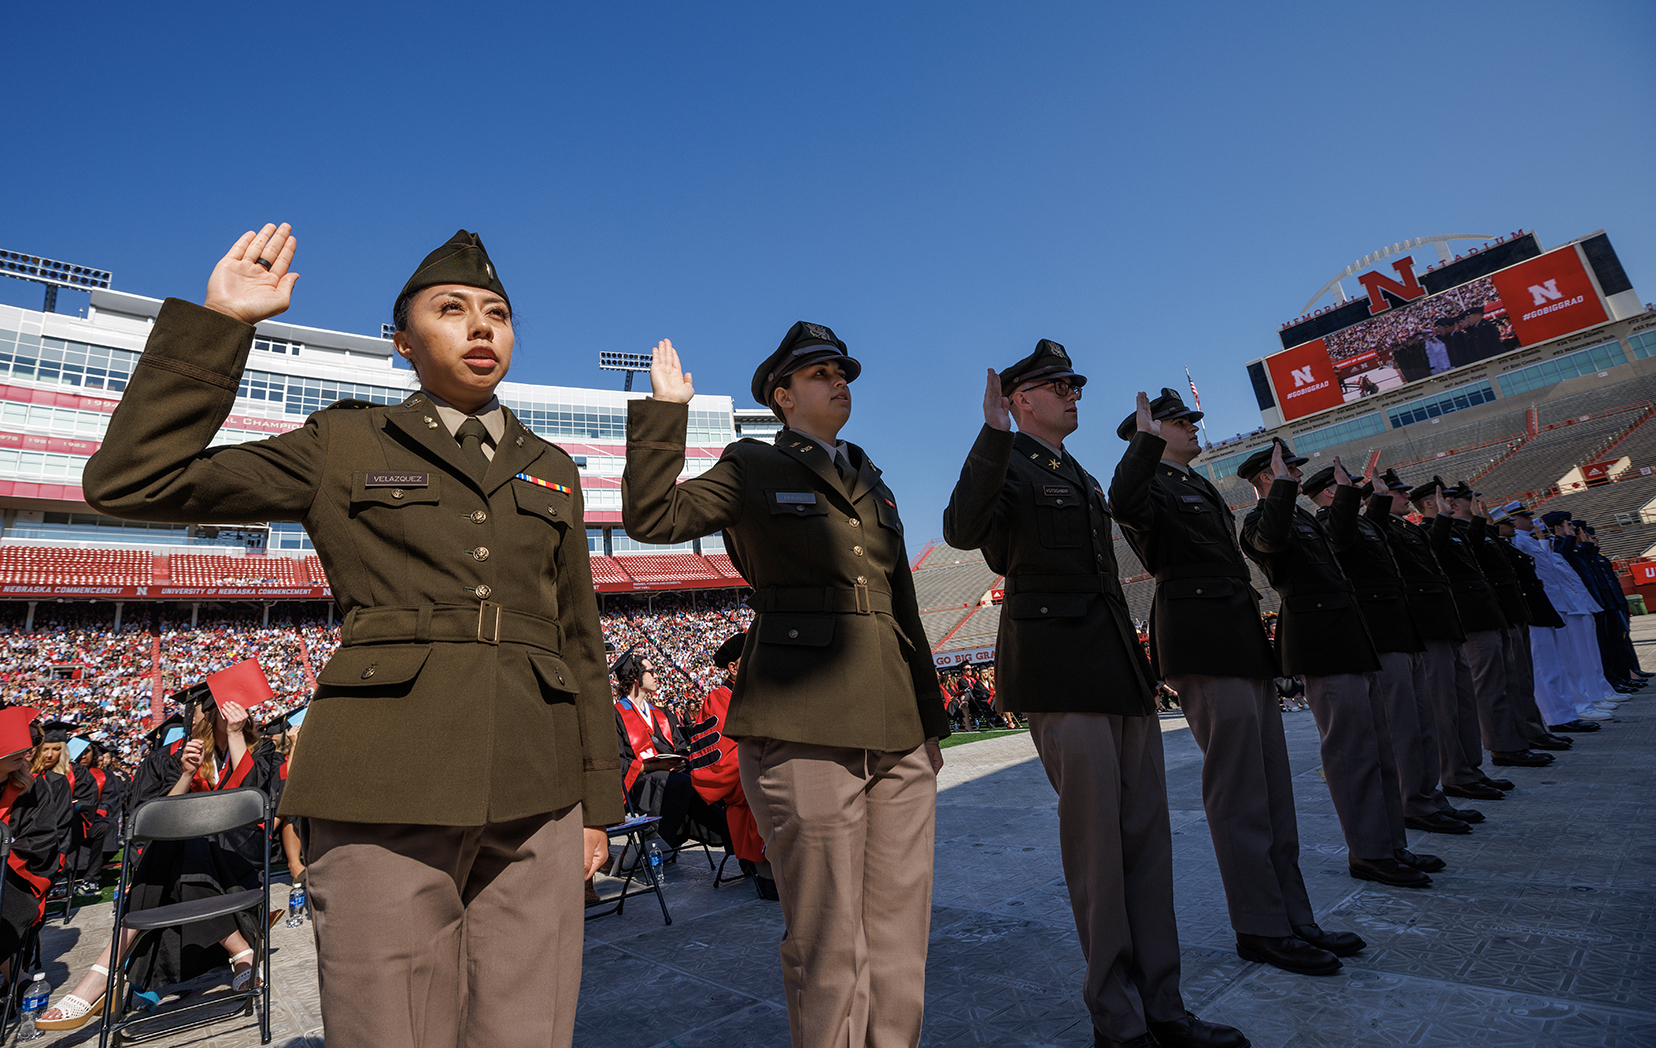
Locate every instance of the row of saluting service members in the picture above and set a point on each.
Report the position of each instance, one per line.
(471, 653)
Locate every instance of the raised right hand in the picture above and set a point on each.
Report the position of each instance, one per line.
(1146, 421)
(997, 409)
(667, 381)
(241, 288)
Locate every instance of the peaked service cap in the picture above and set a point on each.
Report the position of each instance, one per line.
(1049, 361)
(1167, 406)
(805, 343)
(1262, 458)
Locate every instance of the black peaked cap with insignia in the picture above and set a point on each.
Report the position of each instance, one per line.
(1461, 490)
(1393, 481)
(1167, 406)
(1049, 361)
(804, 344)
(1312, 485)
(1424, 491)
(1262, 458)
(1556, 517)
(460, 261)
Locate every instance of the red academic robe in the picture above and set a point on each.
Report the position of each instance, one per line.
(722, 781)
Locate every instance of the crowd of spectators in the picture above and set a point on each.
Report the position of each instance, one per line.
(1408, 324)
(75, 666)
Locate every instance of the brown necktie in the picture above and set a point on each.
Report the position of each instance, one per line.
(847, 475)
(471, 435)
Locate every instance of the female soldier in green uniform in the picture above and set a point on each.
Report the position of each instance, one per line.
(837, 709)
(445, 875)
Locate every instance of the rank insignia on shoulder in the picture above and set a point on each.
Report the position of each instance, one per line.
(545, 483)
(796, 498)
(1056, 489)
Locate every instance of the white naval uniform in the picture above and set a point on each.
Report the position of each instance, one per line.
(1568, 658)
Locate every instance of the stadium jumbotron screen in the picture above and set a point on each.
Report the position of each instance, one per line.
(1411, 335)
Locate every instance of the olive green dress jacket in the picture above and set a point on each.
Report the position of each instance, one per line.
(837, 655)
(1066, 642)
(470, 686)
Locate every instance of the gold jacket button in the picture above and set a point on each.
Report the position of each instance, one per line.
(478, 516)
(551, 509)
(369, 672)
(862, 580)
(857, 550)
(520, 444)
(793, 634)
(397, 493)
(854, 522)
(483, 592)
(481, 553)
(1043, 611)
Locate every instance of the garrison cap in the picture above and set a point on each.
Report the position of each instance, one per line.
(460, 261)
(730, 650)
(804, 344)
(1557, 516)
(1262, 458)
(1167, 406)
(1049, 361)
(1313, 485)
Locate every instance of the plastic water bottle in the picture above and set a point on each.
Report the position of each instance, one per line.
(296, 906)
(34, 1005)
(652, 853)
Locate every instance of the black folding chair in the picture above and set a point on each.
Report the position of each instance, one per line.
(632, 833)
(186, 817)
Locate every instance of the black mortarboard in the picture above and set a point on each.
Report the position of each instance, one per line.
(1168, 405)
(629, 667)
(730, 650)
(803, 344)
(285, 721)
(1311, 486)
(1262, 458)
(58, 731)
(460, 261)
(157, 735)
(1557, 516)
(1049, 361)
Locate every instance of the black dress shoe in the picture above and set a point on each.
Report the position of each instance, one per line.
(1549, 742)
(1191, 1032)
(1575, 725)
(1340, 944)
(1499, 784)
(1388, 871)
(1143, 1040)
(1468, 815)
(1477, 791)
(1437, 822)
(1288, 953)
(1521, 759)
(1419, 860)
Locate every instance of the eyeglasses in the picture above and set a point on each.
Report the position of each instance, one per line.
(1061, 386)
(648, 669)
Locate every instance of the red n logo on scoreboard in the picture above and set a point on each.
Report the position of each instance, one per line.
(1375, 282)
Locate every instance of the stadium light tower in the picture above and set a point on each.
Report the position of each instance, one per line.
(53, 274)
(628, 362)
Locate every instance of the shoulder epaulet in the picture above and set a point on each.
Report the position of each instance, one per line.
(351, 403)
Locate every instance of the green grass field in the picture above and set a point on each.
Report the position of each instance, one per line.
(964, 737)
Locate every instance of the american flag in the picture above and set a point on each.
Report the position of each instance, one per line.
(1195, 397)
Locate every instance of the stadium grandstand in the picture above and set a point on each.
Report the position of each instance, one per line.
(100, 618)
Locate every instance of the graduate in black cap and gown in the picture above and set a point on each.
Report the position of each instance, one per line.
(34, 813)
(445, 874)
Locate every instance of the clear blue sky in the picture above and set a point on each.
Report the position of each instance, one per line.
(1153, 185)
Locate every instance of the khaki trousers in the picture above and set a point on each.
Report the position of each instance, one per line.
(1490, 655)
(1117, 849)
(1358, 763)
(1408, 719)
(1455, 711)
(444, 936)
(1248, 792)
(849, 834)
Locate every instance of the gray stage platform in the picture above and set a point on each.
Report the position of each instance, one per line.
(1541, 931)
